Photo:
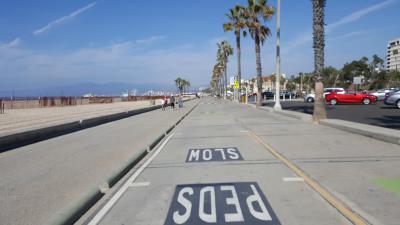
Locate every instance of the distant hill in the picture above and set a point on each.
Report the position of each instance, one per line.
(80, 89)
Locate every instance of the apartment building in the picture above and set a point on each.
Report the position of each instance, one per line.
(393, 55)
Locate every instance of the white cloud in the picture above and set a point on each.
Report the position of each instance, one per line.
(63, 19)
(360, 14)
(348, 35)
(357, 15)
(14, 43)
(150, 40)
(116, 62)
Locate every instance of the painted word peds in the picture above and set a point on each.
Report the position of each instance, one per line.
(239, 203)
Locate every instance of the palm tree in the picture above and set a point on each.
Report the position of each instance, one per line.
(319, 58)
(256, 12)
(186, 85)
(237, 23)
(217, 77)
(224, 51)
(179, 83)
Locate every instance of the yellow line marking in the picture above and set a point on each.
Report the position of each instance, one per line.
(341, 207)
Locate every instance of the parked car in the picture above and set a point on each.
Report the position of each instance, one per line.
(335, 98)
(268, 94)
(311, 97)
(288, 94)
(393, 99)
(381, 94)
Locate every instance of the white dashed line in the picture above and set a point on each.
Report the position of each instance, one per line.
(292, 179)
(140, 184)
(103, 211)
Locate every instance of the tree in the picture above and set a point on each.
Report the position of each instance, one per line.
(182, 84)
(255, 13)
(319, 57)
(179, 84)
(217, 79)
(237, 23)
(332, 76)
(224, 51)
(354, 69)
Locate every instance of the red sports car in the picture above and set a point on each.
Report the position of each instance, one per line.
(335, 98)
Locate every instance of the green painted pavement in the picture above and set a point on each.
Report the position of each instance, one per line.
(392, 185)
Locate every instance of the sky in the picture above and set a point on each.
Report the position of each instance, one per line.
(52, 43)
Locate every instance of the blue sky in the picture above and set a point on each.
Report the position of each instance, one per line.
(53, 43)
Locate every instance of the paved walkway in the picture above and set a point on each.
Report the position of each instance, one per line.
(221, 166)
(17, 120)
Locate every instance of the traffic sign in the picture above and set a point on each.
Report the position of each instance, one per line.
(236, 84)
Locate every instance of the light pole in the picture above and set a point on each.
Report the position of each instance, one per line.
(277, 105)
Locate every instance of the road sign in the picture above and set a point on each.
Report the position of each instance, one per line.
(236, 84)
(213, 154)
(358, 80)
(223, 204)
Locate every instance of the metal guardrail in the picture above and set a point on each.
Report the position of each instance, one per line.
(57, 101)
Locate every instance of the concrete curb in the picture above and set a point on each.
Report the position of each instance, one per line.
(379, 133)
(125, 168)
(11, 141)
(71, 213)
(296, 115)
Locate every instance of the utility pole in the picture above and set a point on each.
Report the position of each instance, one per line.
(301, 84)
(277, 105)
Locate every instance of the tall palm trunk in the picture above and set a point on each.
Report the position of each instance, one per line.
(226, 82)
(319, 45)
(239, 65)
(259, 72)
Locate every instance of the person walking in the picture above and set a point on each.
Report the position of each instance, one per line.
(172, 101)
(180, 101)
(164, 103)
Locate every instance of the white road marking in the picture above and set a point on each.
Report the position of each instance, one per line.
(140, 184)
(103, 211)
(244, 131)
(291, 179)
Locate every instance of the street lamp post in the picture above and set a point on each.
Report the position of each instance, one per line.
(277, 105)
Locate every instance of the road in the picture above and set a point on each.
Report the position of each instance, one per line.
(232, 164)
(377, 114)
(41, 179)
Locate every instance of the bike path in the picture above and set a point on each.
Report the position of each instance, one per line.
(212, 171)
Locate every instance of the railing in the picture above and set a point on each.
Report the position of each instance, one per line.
(43, 102)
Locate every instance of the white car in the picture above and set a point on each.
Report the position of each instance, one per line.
(380, 94)
(311, 97)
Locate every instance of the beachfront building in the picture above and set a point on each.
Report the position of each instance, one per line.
(393, 55)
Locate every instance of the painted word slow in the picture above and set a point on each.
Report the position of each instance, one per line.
(213, 154)
(223, 203)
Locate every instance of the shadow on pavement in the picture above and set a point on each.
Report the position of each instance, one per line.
(392, 122)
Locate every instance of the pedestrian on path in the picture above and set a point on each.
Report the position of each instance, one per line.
(180, 101)
(172, 101)
(164, 103)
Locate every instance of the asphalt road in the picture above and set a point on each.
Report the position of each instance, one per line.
(377, 114)
(219, 167)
